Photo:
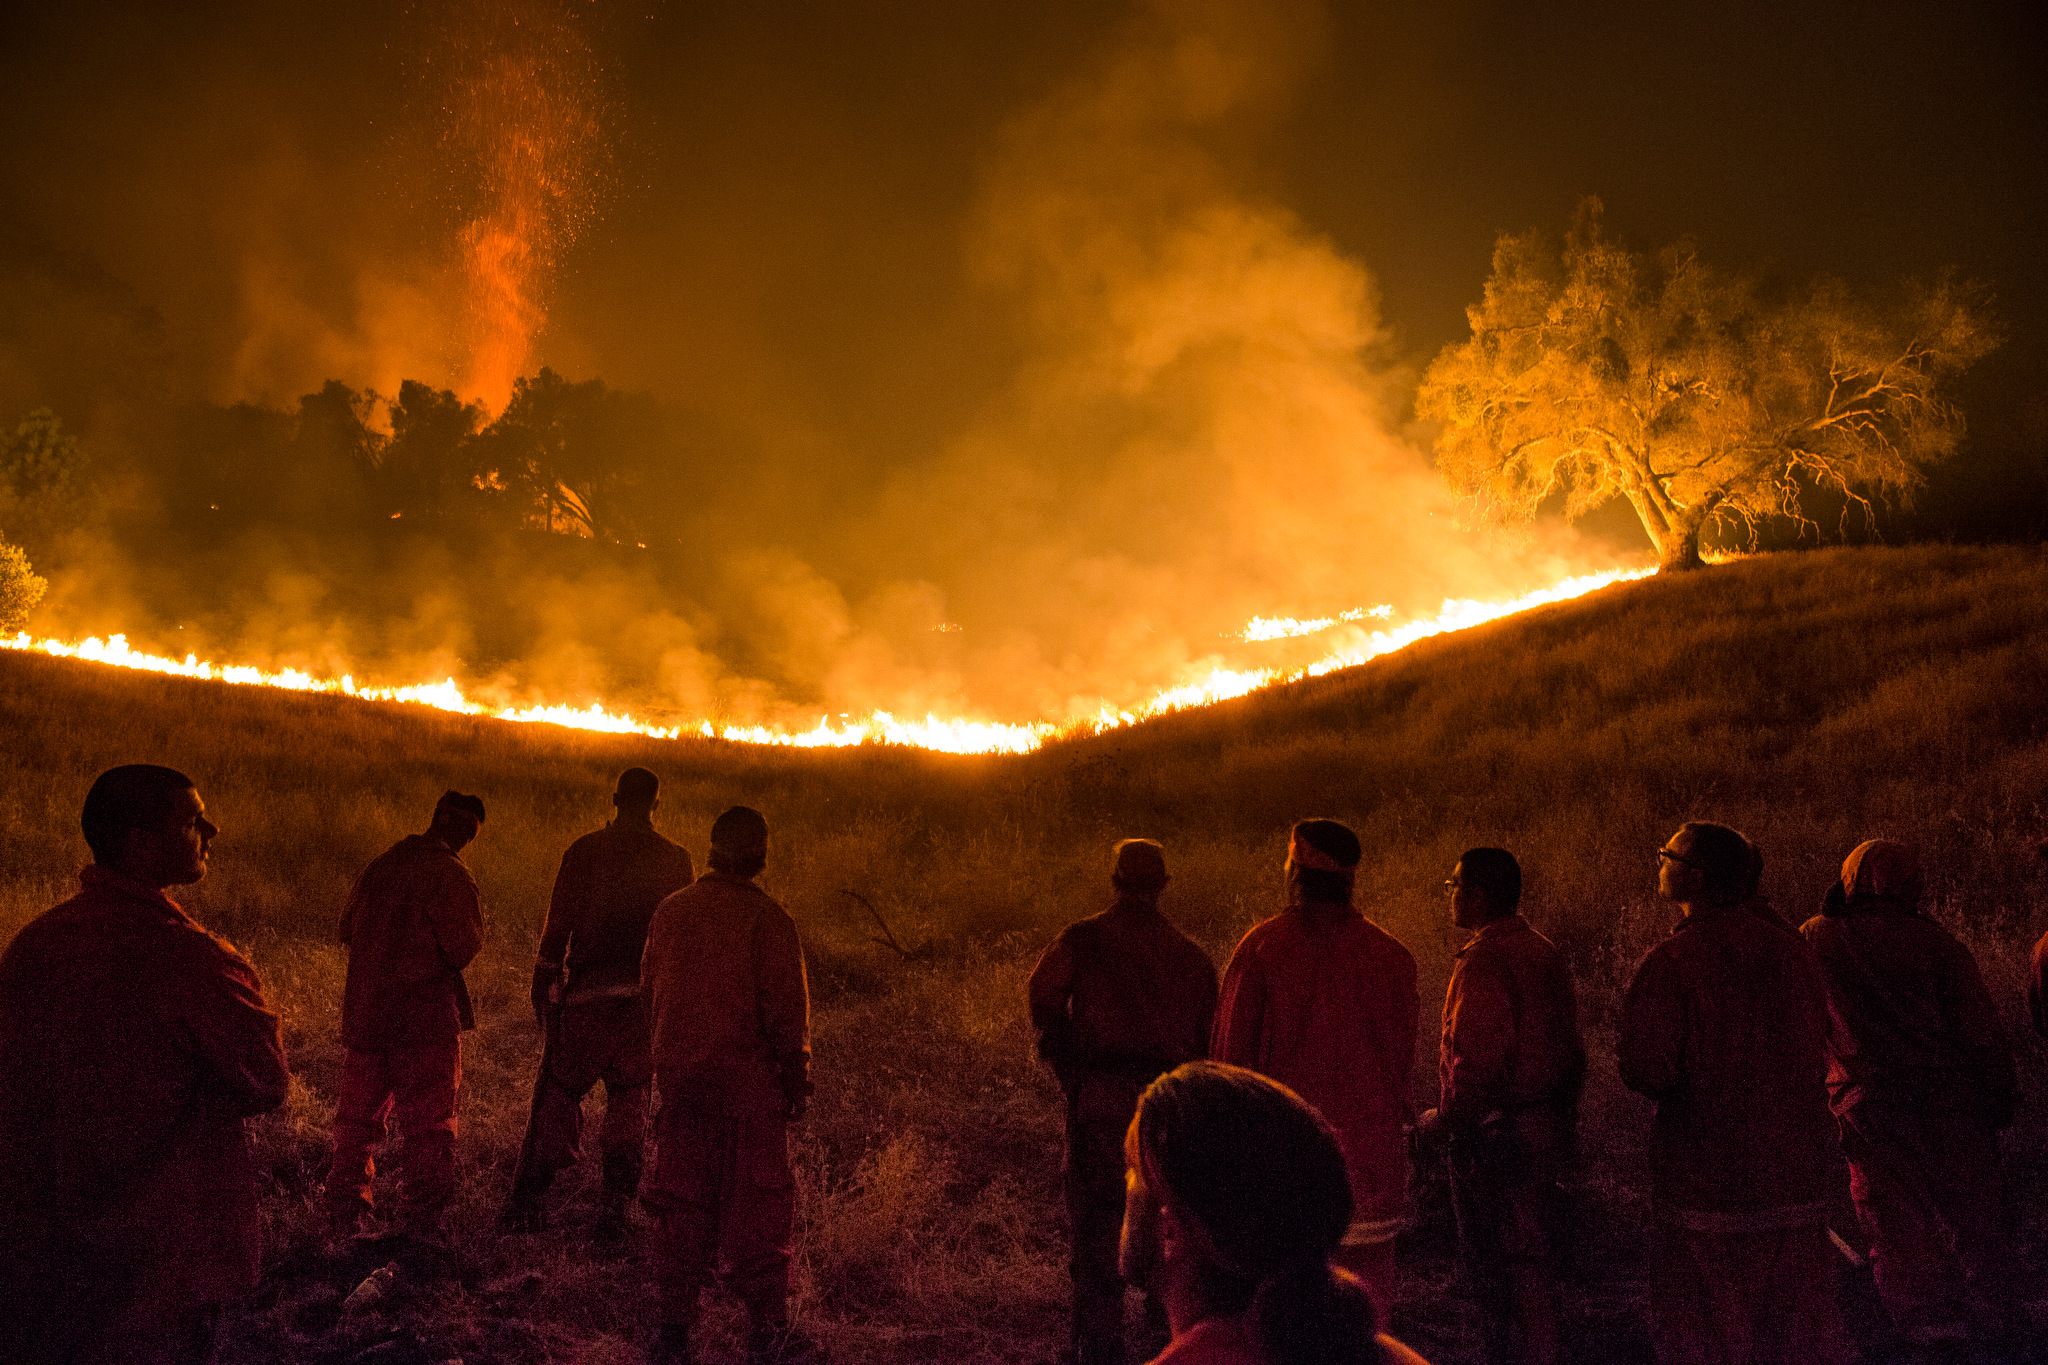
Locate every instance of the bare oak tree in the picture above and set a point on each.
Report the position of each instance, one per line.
(1594, 371)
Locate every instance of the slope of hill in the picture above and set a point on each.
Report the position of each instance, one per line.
(1811, 700)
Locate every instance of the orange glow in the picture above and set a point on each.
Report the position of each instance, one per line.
(947, 735)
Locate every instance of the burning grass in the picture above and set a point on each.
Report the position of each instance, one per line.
(1811, 700)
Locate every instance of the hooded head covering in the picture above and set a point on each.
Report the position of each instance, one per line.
(1139, 867)
(1882, 868)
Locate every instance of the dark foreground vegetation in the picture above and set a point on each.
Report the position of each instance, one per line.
(1810, 700)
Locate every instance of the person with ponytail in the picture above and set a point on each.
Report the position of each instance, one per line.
(1237, 1198)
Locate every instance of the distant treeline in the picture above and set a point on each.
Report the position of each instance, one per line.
(577, 459)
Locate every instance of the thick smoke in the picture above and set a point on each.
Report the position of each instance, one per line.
(1200, 422)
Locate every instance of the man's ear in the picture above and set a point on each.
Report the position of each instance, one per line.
(1173, 1234)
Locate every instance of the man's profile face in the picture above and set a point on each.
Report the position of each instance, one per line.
(1678, 874)
(1469, 907)
(173, 851)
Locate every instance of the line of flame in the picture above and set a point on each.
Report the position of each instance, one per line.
(1286, 627)
(932, 732)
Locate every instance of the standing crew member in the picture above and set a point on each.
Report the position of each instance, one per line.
(1117, 999)
(132, 1045)
(1324, 1001)
(723, 977)
(1920, 1076)
(412, 923)
(1724, 1026)
(586, 998)
(1510, 1070)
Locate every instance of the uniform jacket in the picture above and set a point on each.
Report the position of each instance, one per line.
(1324, 1001)
(1725, 1026)
(1511, 1026)
(2037, 988)
(1124, 992)
(1910, 1022)
(730, 1011)
(132, 1045)
(605, 896)
(412, 923)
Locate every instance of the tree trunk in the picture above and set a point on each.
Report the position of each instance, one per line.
(1682, 550)
(1662, 536)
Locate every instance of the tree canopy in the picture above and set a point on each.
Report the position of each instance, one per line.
(1594, 372)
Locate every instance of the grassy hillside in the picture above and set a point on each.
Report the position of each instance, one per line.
(1811, 700)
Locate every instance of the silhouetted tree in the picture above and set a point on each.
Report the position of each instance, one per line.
(44, 489)
(578, 455)
(429, 466)
(1596, 371)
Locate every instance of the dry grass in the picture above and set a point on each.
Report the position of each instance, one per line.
(1810, 700)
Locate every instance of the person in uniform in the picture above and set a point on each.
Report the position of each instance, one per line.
(723, 977)
(1921, 1078)
(412, 923)
(1324, 1001)
(1116, 1000)
(1724, 1027)
(133, 1044)
(1509, 1071)
(1238, 1196)
(586, 998)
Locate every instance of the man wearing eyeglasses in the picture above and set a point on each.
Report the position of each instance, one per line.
(1724, 1026)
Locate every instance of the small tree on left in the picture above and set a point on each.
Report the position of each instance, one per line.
(20, 588)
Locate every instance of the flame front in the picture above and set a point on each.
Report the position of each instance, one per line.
(932, 732)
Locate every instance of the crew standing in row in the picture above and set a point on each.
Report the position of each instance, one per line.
(587, 1000)
(1324, 1001)
(133, 1043)
(1510, 1069)
(729, 1007)
(1724, 1027)
(413, 922)
(1117, 1000)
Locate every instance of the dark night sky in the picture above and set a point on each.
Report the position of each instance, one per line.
(789, 183)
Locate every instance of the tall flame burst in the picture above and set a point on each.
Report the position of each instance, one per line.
(932, 732)
(524, 100)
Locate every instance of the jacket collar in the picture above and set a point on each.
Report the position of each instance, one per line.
(1499, 928)
(105, 881)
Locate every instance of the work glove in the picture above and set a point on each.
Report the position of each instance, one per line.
(545, 977)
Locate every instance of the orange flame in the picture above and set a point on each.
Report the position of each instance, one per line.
(946, 735)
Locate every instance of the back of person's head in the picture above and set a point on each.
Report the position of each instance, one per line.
(1882, 869)
(133, 796)
(461, 802)
(739, 842)
(1753, 875)
(1259, 1179)
(637, 790)
(1138, 867)
(1496, 873)
(1325, 857)
(1723, 858)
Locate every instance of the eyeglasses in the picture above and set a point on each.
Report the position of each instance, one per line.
(1676, 857)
